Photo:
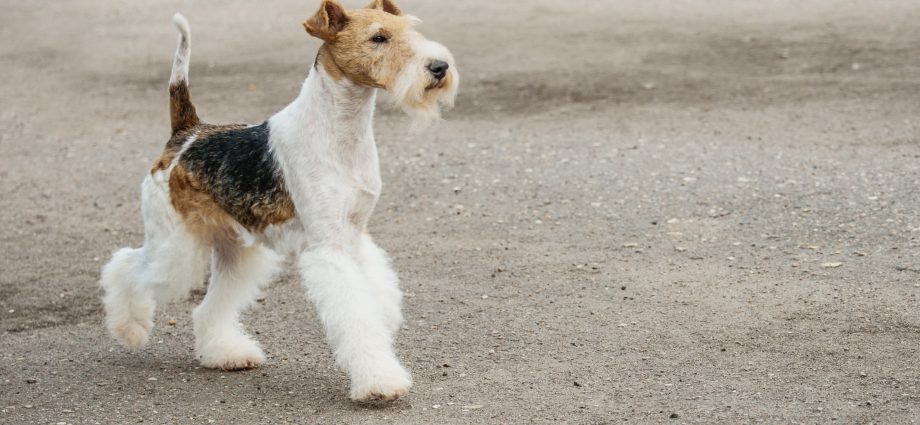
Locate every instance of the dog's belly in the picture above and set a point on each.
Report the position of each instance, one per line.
(287, 238)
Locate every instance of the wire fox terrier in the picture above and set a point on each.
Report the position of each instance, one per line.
(304, 182)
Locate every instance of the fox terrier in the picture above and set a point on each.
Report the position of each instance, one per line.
(241, 198)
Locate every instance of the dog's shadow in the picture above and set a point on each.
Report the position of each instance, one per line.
(273, 385)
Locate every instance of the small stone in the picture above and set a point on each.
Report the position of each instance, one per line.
(171, 322)
(151, 379)
(680, 249)
(30, 381)
(831, 265)
(436, 406)
(630, 245)
(674, 416)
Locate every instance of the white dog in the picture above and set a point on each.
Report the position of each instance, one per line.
(304, 182)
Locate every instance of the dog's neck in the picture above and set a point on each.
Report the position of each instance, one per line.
(329, 124)
(330, 110)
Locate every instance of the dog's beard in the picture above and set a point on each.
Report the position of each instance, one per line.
(421, 96)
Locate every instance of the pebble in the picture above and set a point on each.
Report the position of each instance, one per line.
(171, 322)
(630, 245)
(831, 265)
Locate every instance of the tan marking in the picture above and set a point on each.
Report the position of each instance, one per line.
(202, 216)
(182, 112)
(348, 50)
(386, 6)
(327, 21)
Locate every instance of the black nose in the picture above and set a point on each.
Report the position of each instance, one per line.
(438, 68)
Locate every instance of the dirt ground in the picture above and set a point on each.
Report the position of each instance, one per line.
(697, 211)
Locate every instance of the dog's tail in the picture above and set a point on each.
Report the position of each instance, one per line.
(181, 111)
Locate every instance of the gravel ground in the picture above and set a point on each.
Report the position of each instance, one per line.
(696, 211)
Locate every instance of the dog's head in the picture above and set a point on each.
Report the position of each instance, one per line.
(379, 47)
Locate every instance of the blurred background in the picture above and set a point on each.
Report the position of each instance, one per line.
(687, 211)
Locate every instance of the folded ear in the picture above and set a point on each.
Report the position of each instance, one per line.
(386, 6)
(327, 22)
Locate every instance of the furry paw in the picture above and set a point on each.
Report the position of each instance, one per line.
(238, 355)
(380, 385)
(132, 333)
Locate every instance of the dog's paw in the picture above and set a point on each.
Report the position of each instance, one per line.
(381, 385)
(132, 333)
(243, 354)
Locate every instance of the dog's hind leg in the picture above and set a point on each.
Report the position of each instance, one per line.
(169, 264)
(237, 275)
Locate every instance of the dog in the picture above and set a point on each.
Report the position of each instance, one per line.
(239, 199)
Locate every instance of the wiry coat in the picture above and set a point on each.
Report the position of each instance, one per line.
(305, 181)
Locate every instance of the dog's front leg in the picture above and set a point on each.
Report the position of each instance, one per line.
(355, 322)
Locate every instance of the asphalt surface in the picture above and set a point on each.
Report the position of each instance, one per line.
(683, 212)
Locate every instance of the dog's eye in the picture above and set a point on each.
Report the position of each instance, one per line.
(379, 39)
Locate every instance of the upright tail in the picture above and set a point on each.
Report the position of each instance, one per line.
(181, 111)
